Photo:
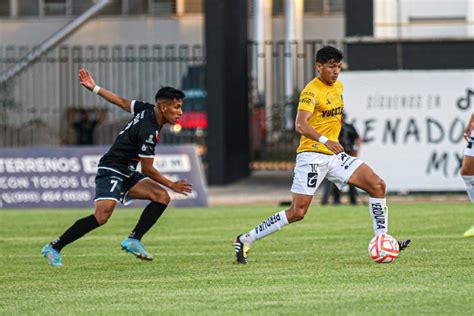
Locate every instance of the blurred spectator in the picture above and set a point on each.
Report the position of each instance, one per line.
(84, 122)
(349, 139)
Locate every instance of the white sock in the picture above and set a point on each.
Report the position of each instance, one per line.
(267, 227)
(379, 212)
(469, 180)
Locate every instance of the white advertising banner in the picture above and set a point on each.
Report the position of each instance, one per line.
(412, 124)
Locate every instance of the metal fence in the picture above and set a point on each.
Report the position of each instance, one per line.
(274, 140)
(37, 107)
(34, 106)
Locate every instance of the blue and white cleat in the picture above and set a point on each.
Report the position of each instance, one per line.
(53, 256)
(135, 247)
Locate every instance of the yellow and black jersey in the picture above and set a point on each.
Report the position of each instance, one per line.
(326, 104)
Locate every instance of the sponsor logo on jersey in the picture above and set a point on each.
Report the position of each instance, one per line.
(305, 100)
(150, 139)
(332, 112)
(311, 94)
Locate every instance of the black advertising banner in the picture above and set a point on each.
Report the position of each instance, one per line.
(64, 177)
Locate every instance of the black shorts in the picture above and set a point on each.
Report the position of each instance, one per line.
(112, 185)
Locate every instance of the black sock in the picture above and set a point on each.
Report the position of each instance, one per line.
(150, 215)
(77, 230)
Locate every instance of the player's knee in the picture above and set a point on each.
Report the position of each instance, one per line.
(465, 171)
(297, 213)
(103, 215)
(378, 189)
(102, 220)
(160, 196)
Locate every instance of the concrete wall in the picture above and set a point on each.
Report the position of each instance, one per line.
(108, 31)
(423, 18)
(148, 30)
(314, 27)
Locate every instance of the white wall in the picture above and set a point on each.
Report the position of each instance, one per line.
(326, 27)
(148, 30)
(423, 18)
(107, 31)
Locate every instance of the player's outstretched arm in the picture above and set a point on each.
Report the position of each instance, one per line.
(88, 82)
(469, 128)
(302, 126)
(181, 186)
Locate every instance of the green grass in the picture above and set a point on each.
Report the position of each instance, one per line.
(317, 266)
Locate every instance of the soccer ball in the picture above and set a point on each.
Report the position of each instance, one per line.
(383, 248)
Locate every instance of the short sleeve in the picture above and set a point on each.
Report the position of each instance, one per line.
(147, 141)
(307, 101)
(139, 106)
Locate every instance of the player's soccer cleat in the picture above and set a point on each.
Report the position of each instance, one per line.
(135, 247)
(53, 256)
(469, 232)
(403, 244)
(241, 250)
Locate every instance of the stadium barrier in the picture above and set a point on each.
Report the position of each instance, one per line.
(64, 177)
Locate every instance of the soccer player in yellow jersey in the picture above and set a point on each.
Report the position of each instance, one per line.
(320, 156)
(467, 170)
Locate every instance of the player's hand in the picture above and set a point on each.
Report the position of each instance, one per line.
(333, 146)
(86, 79)
(181, 186)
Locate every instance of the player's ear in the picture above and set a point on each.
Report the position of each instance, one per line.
(162, 106)
(318, 67)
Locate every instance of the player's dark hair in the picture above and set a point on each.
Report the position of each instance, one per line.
(169, 93)
(328, 53)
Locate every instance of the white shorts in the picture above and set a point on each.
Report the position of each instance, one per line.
(312, 167)
(469, 151)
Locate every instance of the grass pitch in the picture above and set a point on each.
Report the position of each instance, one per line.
(317, 266)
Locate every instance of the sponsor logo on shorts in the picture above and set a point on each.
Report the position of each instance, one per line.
(350, 163)
(312, 179)
(346, 160)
